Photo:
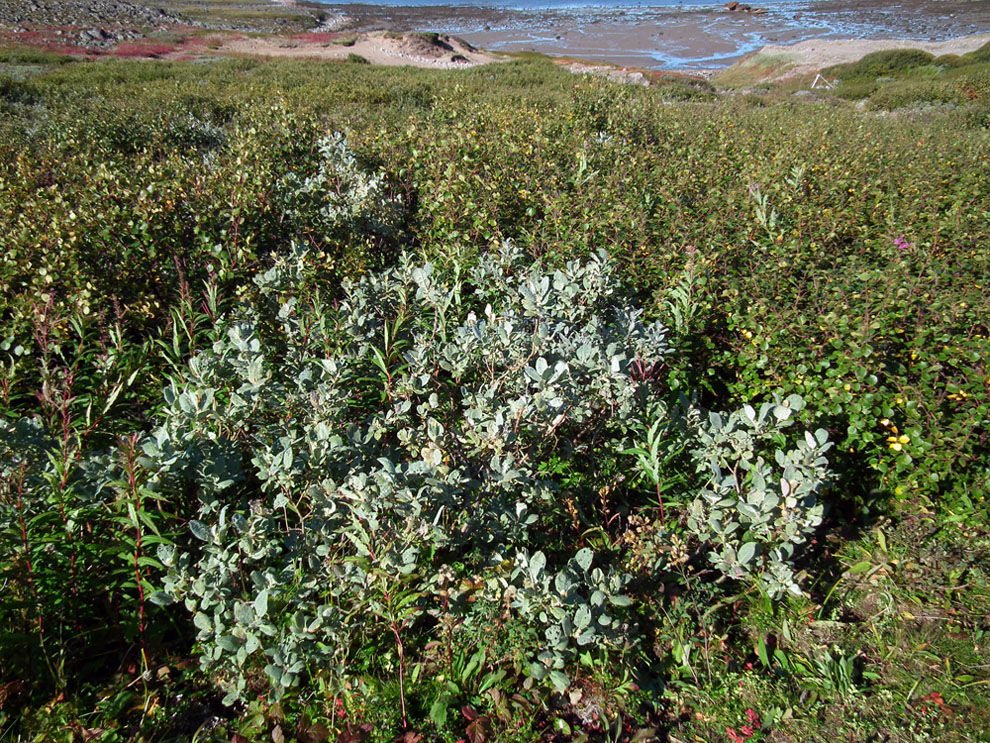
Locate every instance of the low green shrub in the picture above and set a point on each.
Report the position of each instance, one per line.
(978, 55)
(23, 55)
(889, 63)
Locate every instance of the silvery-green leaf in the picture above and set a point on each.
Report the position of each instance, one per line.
(229, 643)
(261, 603)
(536, 564)
(746, 553)
(584, 558)
(244, 613)
(160, 598)
(582, 617)
(586, 637)
(537, 671)
(202, 622)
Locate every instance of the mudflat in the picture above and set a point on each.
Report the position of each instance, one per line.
(686, 37)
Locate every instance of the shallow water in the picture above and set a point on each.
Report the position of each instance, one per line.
(670, 34)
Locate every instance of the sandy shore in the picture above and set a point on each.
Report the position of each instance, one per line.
(378, 47)
(805, 58)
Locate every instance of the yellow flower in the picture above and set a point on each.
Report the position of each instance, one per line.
(904, 439)
(896, 446)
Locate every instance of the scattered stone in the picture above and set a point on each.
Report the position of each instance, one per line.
(736, 7)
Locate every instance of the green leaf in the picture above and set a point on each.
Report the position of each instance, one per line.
(746, 553)
(202, 622)
(584, 558)
(261, 603)
(244, 613)
(559, 680)
(536, 564)
(229, 643)
(761, 651)
(200, 531)
(582, 617)
(438, 710)
(160, 598)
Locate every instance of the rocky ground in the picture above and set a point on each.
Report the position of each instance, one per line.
(188, 29)
(37, 13)
(89, 23)
(102, 24)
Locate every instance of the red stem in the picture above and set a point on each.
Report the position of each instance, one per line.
(663, 517)
(130, 443)
(27, 548)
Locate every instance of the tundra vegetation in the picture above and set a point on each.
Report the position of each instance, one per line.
(347, 403)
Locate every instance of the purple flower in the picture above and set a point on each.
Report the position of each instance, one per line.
(901, 243)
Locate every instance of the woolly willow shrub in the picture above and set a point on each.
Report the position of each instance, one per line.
(350, 461)
(392, 436)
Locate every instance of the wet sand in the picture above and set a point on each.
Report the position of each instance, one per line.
(689, 37)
